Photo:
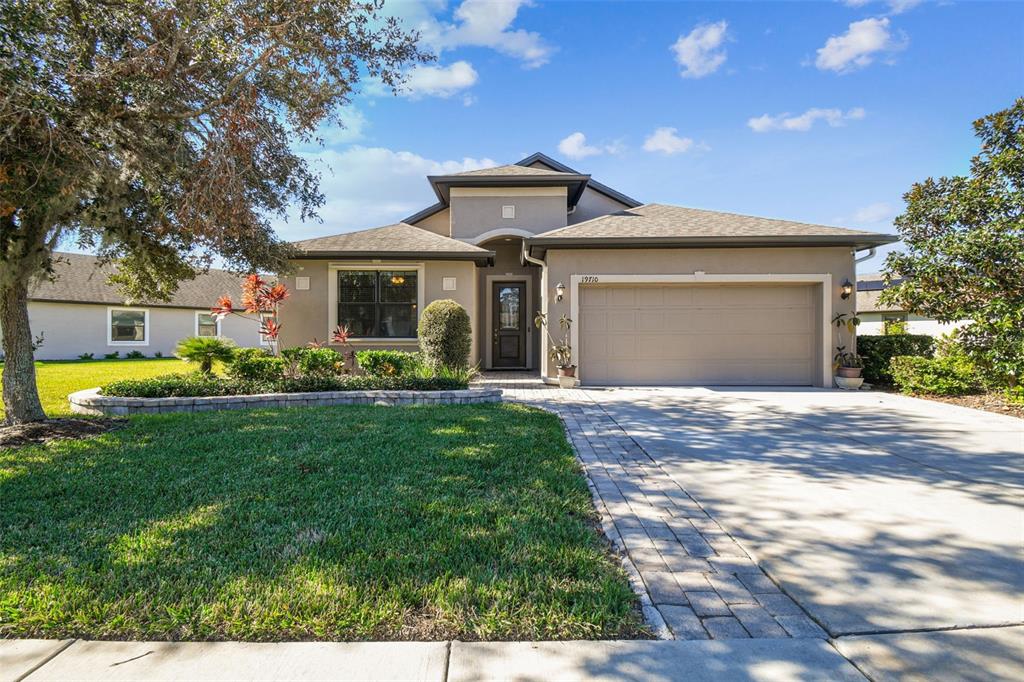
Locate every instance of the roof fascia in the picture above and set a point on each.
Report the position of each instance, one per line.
(478, 257)
(542, 244)
(593, 184)
(425, 213)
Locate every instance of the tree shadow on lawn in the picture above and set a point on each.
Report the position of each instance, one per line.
(310, 523)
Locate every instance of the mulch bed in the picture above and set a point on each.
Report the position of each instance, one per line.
(55, 429)
(989, 402)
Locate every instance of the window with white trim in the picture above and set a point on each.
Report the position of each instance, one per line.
(378, 303)
(207, 324)
(127, 326)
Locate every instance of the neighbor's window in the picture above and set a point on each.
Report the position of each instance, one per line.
(128, 326)
(378, 303)
(894, 324)
(207, 325)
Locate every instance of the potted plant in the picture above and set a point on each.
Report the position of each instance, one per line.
(560, 351)
(847, 364)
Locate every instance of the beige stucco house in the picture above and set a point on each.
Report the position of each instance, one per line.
(659, 294)
(875, 316)
(78, 312)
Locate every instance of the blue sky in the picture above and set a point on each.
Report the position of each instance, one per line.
(816, 111)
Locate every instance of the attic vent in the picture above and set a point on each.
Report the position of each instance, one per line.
(508, 212)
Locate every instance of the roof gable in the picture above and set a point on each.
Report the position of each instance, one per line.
(554, 164)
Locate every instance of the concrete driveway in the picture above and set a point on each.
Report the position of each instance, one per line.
(877, 513)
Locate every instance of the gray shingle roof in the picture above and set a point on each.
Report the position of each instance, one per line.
(509, 170)
(398, 239)
(653, 221)
(80, 279)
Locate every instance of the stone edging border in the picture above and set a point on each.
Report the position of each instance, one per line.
(91, 402)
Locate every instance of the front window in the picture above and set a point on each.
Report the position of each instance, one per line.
(378, 303)
(128, 326)
(206, 325)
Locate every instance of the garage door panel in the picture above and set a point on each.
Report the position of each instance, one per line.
(650, 321)
(593, 296)
(594, 321)
(621, 320)
(622, 297)
(698, 334)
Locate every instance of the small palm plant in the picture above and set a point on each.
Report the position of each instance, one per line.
(204, 350)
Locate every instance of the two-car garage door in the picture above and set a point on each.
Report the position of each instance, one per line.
(697, 334)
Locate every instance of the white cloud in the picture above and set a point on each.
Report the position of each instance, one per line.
(666, 141)
(353, 128)
(700, 52)
(805, 121)
(439, 81)
(481, 23)
(575, 147)
(858, 47)
(874, 214)
(895, 6)
(371, 186)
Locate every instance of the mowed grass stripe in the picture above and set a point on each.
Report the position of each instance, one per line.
(344, 523)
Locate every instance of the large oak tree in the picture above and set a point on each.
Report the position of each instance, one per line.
(159, 133)
(963, 255)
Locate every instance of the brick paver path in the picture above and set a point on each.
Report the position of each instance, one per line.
(695, 581)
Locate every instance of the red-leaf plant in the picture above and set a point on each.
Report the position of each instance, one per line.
(260, 298)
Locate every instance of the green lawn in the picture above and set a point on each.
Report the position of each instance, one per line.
(344, 523)
(56, 379)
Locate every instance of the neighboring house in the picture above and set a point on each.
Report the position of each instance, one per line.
(78, 312)
(659, 294)
(875, 317)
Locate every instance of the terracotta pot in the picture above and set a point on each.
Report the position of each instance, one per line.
(849, 372)
(568, 371)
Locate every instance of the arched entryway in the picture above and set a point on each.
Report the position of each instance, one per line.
(508, 298)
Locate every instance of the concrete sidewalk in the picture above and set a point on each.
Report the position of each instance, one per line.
(654, 660)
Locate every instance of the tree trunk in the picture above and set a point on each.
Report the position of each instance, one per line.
(21, 398)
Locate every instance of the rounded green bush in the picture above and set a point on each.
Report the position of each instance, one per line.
(382, 363)
(445, 334)
(256, 364)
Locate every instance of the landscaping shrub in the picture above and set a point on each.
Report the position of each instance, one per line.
(445, 334)
(256, 364)
(204, 350)
(877, 351)
(135, 355)
(386, 363)
(316, 361)
(112, 356)
(200, 385)
(943, 375)
(85, 356)
(171, 386)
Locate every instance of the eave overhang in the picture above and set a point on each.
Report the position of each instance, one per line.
(538, 246)
(575, 183)
(482, 259)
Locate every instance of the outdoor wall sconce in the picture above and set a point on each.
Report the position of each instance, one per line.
(847, 289)
(559, 292)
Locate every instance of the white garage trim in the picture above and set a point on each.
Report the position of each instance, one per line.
(825, 280)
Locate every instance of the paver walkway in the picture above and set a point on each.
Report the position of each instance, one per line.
(694, 577)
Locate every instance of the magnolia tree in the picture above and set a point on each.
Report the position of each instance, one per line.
(161, 135)
(963, 249)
